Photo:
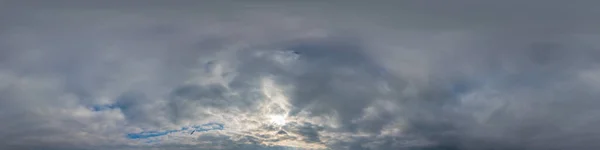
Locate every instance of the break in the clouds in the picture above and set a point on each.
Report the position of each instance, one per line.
(407, 75)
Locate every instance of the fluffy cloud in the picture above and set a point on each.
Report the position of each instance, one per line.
(282, 75)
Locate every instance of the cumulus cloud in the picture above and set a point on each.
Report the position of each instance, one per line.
(414, 75)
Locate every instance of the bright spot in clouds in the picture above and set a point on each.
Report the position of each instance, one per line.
(278, 120)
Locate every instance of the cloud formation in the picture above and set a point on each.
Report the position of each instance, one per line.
(414, 75)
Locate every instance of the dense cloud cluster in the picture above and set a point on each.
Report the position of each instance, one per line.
(407, 75)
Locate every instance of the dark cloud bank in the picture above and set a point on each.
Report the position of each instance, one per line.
(406, 75)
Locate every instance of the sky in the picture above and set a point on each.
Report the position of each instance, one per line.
(295, 75)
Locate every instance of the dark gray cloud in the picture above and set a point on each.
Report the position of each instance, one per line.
(414, 75)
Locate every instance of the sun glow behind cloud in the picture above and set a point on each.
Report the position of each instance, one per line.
(278, 119)
(276, 105)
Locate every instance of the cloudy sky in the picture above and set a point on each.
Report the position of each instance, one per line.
(283, 75)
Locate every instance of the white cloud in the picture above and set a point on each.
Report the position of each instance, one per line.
(328, 76)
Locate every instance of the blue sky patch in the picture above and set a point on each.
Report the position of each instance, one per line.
(148, 134)
(192, 129)
(208, 127)
(104, 107)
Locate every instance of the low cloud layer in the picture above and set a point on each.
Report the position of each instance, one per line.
(462, 75)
